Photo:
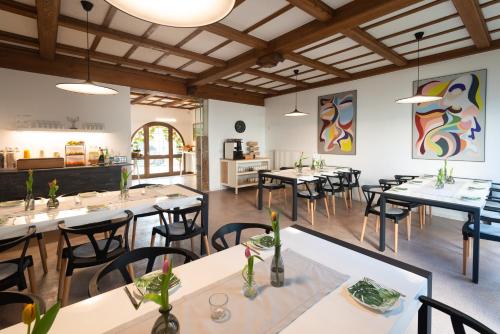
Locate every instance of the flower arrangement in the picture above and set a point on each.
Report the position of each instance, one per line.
(53, 188)
(277, 266)
(299, 164)
(29, 202)
(123, 183)
(440, 180)
(249, 287)
(29, 182)
(43, 323)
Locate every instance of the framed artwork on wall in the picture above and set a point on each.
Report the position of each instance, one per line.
(337, 123)
(452, 128)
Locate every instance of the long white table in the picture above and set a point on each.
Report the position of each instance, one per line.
(334, 313)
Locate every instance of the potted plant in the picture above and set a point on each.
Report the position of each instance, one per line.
(277, 265)
(53, 202)
(29, 202)
(249, 285)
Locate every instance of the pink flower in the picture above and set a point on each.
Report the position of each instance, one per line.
(247, 252)
(166, 266)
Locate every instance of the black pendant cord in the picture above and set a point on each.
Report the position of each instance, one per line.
(418, 62)
(296, 93)
(88, 49)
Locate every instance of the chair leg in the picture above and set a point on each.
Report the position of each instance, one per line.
(471, 242)
(207, 246)
(66, 290)
(308, 206)
(333, 203)
(408, 226)
(465, 255)
(421, 214)
(284, 194)
(43, 252)
(430, 214)
(256, 198)
(62, 274)
(311, 204)
(134, 228)
(326, 207)
(270, 200)
(32, 279)
(350, 197)
(396, 231)
(365, 221)
(59, 251)
(359, 195)
(153, 236)
(192, 245)
(377, 224)
(131, 271)
(345, 199)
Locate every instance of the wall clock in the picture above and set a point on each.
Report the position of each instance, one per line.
(240, 126)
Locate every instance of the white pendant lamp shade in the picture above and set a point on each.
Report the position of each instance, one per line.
(176, 13)
(418, 98)
(296, 112)
(87, 87)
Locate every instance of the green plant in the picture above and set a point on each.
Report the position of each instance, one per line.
(300, 163)
(53, 188)
(275, 224)
(43, 323)
(247, 272)
(124, 178)
(29, 182)
(162, 299)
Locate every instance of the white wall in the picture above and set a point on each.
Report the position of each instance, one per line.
(24, 93)
(221, 119)
(181, 119)
(384, 128)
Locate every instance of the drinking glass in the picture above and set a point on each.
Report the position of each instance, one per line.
(78, 200)
(218, 309)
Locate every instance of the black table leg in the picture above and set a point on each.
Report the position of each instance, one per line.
(204, 221)
(475, 247)
(381, 244)
(294, 200)
(259, 196)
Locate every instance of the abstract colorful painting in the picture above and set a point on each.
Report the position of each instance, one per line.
(451, 128)
(337, 123)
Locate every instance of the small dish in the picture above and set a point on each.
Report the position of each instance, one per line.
(151, 283)
(471, 198)
(11, 204)
(263, 241)
(374, 296)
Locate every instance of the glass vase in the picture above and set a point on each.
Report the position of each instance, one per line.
(53, 203)
(29, 202)
(124, 192)
(166, 323)
(250, 287)
(277, 269)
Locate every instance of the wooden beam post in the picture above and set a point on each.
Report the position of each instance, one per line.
(47, 21)
(316, 65)
(472, 16)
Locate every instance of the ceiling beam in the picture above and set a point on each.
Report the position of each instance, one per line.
(105, 23)
(47, 22)
(263, 90)
(316, 8)
(363, 38)
(275, 77)
(140, 99)
(472, 16)
(226, 94)
(95, 29)
(295, 57)
(235, 35)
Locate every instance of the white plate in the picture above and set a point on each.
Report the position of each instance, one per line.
(381, 309)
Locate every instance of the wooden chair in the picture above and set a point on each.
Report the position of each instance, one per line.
(394, 213)
(270, 185)
(12, 271)
(92, 253)
(352, 181)
(12, 304)
(388, 184)
(184, 229)
(334, 185)
(219, 241)
(124, 261)
(458, 319)
(313, 192)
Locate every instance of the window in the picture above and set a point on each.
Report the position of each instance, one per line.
(160, 145)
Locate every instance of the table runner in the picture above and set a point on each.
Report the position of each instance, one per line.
(306, 283)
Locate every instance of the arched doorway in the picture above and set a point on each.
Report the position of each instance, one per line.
(160, 146)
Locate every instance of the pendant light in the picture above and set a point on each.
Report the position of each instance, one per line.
(296, 112)
(418, 98)
(176, 13)
(87, 87)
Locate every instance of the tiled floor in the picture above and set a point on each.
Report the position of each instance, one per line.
(437, 248)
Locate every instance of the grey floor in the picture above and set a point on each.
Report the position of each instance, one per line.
(437, 248)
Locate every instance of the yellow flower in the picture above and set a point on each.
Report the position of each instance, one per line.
(274, 216)
(28, 313)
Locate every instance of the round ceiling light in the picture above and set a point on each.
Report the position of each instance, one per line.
(87, 87)
(176, 13)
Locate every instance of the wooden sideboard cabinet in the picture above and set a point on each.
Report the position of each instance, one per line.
(242, 173)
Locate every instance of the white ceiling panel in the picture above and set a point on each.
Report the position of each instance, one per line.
(229, 51)
(258, 81)
(336, 3)
(73, 37)
(339, 45)
(393, 14)
(495, 35)
(327, 39)
(321, 78)
(290, 20)
(284, 64)
(430, 30)
(197, 67)
(491, 10)
(251, 12)
(462, 33)
(289, 72)
(74, 9)
(492, 25)
(340, 57)
(203, 42)
(130, 24)
(430, 14)
(18, 24)
(272, 84)
(440, 49)
(243, 77)
(359, 61)
(147, 55)
(170, 35)
(173, 61)
(370, 66)
(284, 87)
(308, 75)
(113, 47)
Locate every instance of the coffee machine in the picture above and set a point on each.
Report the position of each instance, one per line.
(233, 150)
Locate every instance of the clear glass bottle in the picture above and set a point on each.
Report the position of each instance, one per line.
(277, 268)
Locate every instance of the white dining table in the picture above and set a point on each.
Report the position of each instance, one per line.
(85, 208)
(336, 312)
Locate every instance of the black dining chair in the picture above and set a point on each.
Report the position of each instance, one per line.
(12, 304)
(12, 270)
(489, 229)
(94, 252)
(458, 319)
(334, 185)
(219, 241)
(395, 214)
(124, 261)
(313, 191)
(352, 181)
(182, 228)
(271, 185)
(404, 178)
(142, 215)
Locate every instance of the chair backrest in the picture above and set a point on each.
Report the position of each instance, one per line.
(13, 297)
(371, 195)
(314, 185)
(7, 244)
(336, 182)
(404, 178)
(286, 168)
(219, 241)
(147, 253)
(458, 319)
(91, 230)
(357, 174)
(262, 177)
(182, 213)
(387, 184)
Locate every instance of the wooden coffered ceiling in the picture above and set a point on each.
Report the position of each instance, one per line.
(328, 41)
(160, 99)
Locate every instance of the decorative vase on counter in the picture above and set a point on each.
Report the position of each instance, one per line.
(29, 202)
(53, 203)
(277, 268)
(166, 323)
(250, 286)
(124, 193)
